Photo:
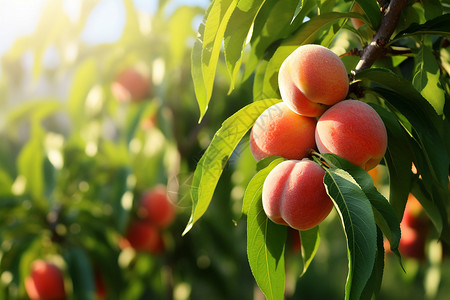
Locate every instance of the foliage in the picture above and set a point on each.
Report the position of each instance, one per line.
(408, 85)
(74, 160)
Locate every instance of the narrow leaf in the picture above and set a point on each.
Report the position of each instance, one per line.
(398, 159)
(216, 23)
(254, 187)
(385, 216)
(210, 166)
(238, 29)
(358, 221)
(80, 270)
(310, 240)
(426, 124)
(427, 79)
(265, 249)
(372, 11)
(437, 26)
(374, 284)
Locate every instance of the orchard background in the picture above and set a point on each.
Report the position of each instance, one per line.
(81, 144)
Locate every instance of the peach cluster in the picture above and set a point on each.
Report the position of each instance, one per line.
(314, 115)
(155, 212)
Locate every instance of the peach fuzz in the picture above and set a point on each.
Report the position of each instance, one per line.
(294, 194)
(278, 131)
(311, 79)
(46, 281)
(352, 130)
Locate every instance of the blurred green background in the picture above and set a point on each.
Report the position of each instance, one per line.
(76, 154)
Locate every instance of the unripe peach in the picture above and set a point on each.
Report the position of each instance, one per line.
(311, 79)
(46, 282)
(144, 237)
(352, 130)
(279, 131)
(156, 207)
(131, 85)
(294, 194)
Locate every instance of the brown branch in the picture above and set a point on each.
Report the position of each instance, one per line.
(377, 48)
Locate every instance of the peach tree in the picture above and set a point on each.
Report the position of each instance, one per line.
(397, 60)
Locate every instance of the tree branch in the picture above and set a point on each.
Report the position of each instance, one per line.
(377, 48)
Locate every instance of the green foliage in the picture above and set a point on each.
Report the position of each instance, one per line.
(265, 248)
(407, 86)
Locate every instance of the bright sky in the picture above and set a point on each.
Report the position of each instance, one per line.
(19, 18)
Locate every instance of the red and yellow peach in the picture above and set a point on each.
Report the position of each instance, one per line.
(311, 79)
(279, 131)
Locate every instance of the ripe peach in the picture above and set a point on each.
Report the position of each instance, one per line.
(131, 85)
(156, 207)
(278, 131)
(357, 22)
(352, 130)
(144, 237)
(294, 194)
(311, 79)
(414, 215)
(294, 240)
(45, 282)
(412, 243)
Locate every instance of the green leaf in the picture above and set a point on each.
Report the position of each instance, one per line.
(398, 159)
(304, 35)
(426, 124)
(238, 29)
(385, 216)
(273, 23)
(426, 79)
(197, 72)
(437, 26)
(84, 79)
(372, 11)
(265, 249)
(310, 240)
(81, 273)
(254, 187)
(358, 221)
(211, 35)
(31, 163)
(374, 284)
(432, 210)
(210, 166)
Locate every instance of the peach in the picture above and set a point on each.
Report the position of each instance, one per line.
(414, 215)
(311, 79)
(144, 237)
(412, 243)
(131, 85)
(156, 207)
(352, 130)
(294, 194)
(357, 22)
(46, 281)
(278, 131)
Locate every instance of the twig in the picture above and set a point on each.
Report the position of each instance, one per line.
(377, 48)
